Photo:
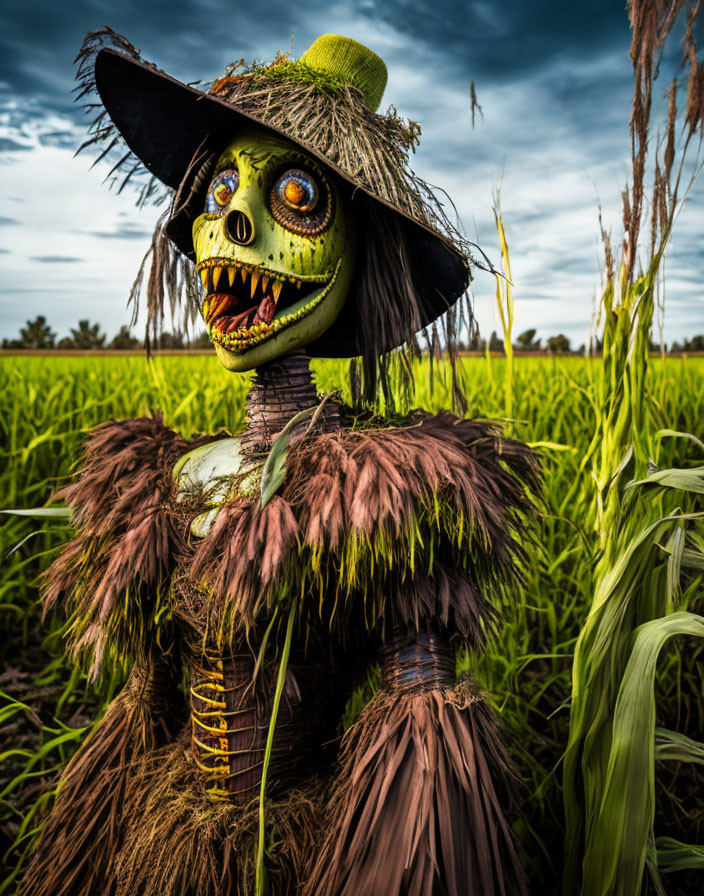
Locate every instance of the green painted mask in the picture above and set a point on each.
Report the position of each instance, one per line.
(274, 249)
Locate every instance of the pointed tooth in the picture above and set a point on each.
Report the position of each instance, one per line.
(265, 282)
(204, 278)
(218, 305)
(276, 289)
(217, 273)
(298, 284)
(231, 274)
(209, 313)
(243, 274)
(255, 279)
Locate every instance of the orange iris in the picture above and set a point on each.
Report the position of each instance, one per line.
(222, 194)
(294, 192)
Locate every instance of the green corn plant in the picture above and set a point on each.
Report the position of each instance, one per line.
(526, 670)
(504, 304)
(604, 855)
(616, 851)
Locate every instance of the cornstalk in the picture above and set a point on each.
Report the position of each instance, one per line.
(504, 302)
(620, 450)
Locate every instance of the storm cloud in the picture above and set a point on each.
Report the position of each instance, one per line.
(553, 79)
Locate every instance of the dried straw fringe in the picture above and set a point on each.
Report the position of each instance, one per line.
(171, 275)
(361, 515)
(421, 802)
(135, 818)
(362, 510)
(172, 278)
(82, 835)
(195, 845)
(102, 133)
(117, 567)
(371, 148)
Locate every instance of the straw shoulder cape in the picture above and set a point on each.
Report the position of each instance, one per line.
(420, 506)
(373, 527)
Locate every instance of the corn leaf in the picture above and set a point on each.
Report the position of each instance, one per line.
(41, 512)
(275, 464)
(616, 848)
(683, 480)
(671, 745)
(675, 856)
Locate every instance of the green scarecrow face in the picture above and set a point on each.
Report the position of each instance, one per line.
(274, 249)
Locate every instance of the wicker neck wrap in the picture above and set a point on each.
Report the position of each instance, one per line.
(280, 390)
(414, 661)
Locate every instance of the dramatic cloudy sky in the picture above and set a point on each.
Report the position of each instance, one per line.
(553, 79)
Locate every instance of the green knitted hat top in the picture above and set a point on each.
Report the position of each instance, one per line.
(352, 63)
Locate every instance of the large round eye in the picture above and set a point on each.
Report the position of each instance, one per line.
(221, 190)
(299, 203)
(297, 190)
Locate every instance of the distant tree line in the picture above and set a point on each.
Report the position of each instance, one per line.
(37, 335)
(560, 344)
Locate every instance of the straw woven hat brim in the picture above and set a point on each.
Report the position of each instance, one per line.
(164, 122)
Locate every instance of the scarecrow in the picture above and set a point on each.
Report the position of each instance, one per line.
(251, 582)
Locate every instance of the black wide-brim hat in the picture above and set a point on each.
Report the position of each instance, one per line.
(326, 104)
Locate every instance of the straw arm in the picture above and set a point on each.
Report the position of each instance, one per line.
(78, 844)
(424, 783)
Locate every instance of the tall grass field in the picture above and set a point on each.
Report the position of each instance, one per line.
(47, 708)
(596, 669)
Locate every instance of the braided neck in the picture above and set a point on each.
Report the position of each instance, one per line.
(279, 391)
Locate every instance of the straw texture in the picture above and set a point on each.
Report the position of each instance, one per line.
(372, 528)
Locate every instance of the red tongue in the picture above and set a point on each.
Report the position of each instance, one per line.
(265, 311)
(240, 320)
(263, 314)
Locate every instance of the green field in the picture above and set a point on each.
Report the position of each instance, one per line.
(47, 405)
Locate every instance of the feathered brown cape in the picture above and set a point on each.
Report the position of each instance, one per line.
(401, 523)
(373, 526)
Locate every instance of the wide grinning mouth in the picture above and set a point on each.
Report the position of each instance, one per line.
(246, 304)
